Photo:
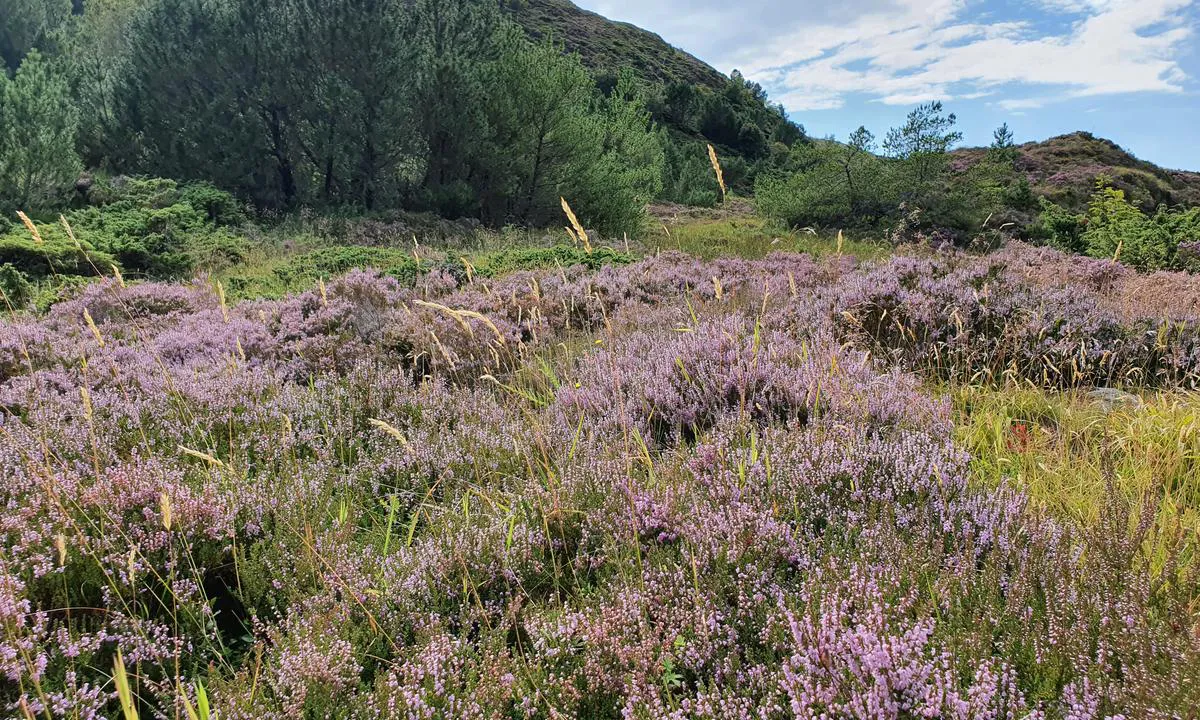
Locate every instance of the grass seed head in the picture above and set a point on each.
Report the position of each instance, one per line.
(580, 233)
(37, 236)
(390, 430)
(716, 164)
(87, 318)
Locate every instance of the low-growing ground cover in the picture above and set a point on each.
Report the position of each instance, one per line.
(770, 488)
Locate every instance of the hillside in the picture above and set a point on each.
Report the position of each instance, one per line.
(695, 103)
(1065, 169)
(606, 45)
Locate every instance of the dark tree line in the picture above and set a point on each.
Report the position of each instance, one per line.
(439, 105)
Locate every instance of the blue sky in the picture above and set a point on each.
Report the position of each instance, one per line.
(1128, 70)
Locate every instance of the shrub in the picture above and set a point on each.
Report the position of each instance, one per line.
(507, 261)
(17, 290)
(1116, 229)
(158, 229)
(1060, 228)
(56, 255)
(220, 207)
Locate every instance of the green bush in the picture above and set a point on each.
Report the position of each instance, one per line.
(507, 261)
(141, 192)
(16, 288)
(1114, 228)
(1059, 227)
(219, 207)
(802, 199)
(158, 229)
(56, 255)
(60, 288)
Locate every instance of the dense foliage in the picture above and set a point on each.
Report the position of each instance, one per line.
(862, 184)
(672, 489)
(37, 137)
(145, 228)
(441, 105)
(693, 103)
(1115, 228)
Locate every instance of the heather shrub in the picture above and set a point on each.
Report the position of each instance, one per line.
(1188, 256)
(971, 320)
(722, 497)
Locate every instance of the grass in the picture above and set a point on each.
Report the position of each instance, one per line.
(752, 238)
(1066, 449)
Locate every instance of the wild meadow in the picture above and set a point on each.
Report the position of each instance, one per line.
(929, 484)
(305, 413)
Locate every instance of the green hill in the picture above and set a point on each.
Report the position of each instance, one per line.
(606, 45)
(1065, 169)
(694, 102)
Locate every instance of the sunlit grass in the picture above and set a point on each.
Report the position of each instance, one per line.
(752, 237)
(1066, 448)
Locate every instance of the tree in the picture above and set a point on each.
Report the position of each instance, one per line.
(834, 184)
(351, 114)
(540, 125)
(430, 104)
(450, 43)
(926, 132)
(37, 136)
(552, 135)
(628, 174)
(204, 93)
(27, 24)
(920, 148)
(97, 55)
(853, 162)
(1002, 150)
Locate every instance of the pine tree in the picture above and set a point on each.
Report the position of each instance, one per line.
(1003, 151)
(37, 136)
(27, 24)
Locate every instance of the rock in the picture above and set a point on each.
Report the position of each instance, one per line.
(1111, 398)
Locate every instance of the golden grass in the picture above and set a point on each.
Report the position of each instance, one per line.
(391, 430)
(716, 164)
(37, 236)
(575, 230)
(1068, 449)
(461, 316)
(87, 318)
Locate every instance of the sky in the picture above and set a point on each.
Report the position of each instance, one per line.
(1127, 70)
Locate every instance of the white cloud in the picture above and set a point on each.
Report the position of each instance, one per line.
(1022, 103)
(812, 54)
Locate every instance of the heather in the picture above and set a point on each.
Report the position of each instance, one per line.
(780, 487)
